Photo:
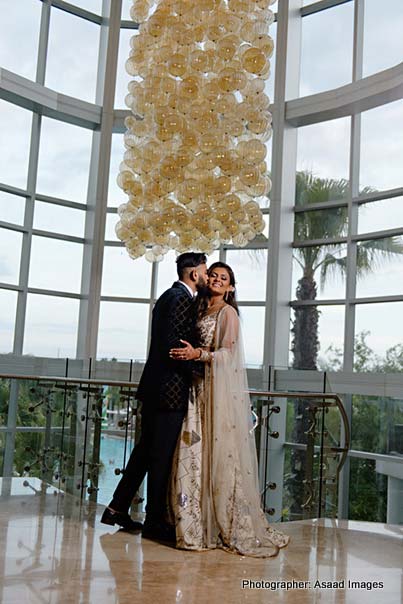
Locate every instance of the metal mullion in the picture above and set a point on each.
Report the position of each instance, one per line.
(98, 182)
(77, 11)
(31, 186)
(340, 301)
(351, 269)
(52, 292)
(377, 299)
(318, 7)
(252, 245)
(20, 316)
(378, 196)
(43, 42)
(61, 202)
(128, 299)
(13, 190)
(126, 24)
(316, 242)
(11, 226)
(110, 243)
(326, 205)
(252, 303)
(281, 228)
(317, 302)
(10, 287)
(378, 234)
(59, 236)
(153, 296)
(27, 236)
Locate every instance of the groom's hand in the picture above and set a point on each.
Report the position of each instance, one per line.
(186, 353)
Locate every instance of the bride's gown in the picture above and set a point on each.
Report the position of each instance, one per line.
(214, 495)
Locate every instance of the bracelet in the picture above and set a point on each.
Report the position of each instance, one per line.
(206, 356)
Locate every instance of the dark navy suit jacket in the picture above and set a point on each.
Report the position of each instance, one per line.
(164, 382)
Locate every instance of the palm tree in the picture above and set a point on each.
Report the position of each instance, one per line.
(319, 263)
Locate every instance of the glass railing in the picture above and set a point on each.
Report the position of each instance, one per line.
(76, 435)
(314, 443)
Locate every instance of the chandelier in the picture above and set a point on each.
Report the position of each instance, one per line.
(194, 164)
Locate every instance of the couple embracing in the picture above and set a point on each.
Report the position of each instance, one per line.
(196, 443)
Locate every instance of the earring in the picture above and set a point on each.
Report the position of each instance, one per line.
(226, 296)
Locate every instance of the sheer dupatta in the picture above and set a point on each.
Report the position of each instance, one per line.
(234, 487)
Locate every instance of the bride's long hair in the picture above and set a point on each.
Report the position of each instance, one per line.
(230, 297)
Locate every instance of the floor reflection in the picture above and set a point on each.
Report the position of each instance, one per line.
(55, 550)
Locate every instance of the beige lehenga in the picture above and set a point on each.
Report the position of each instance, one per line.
(214, 494)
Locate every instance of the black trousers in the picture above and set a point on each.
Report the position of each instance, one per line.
(153, 455)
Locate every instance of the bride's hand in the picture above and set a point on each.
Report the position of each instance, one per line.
(186, 353)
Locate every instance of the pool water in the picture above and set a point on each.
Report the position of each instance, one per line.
(111, 456)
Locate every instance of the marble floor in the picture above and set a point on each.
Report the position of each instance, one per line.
(54, 550)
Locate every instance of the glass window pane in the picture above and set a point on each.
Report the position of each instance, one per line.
(382, 147)
(55, 264)
(51, 326)
(252, 324)
(368, 492)
(122, 332)
(321, 224)
(64, 151)
(10, 254)
(250, 269)
(327, 49)
(72, 67)
(123, 276)
(59, 219)
(384, 259)
(12, 208)
(115, 195)
(126, 6)
(19, 36)
(323, 167)
(15, 128)
(380, 215)
(322, 268)
(317, 338)
(122, 77)
(167, 272)
(94, 6)
(379, 337)
(384, 24)
(8, 307)
(111, 220)
(377, 424)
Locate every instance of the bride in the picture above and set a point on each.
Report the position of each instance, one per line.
(214, 496)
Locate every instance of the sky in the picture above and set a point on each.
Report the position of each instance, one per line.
(326, 62)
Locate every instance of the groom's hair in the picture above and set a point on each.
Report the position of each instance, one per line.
(189, 260)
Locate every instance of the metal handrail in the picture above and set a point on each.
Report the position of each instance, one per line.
(321, 396)
(79, 381)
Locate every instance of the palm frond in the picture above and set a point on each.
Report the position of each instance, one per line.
(331, 266)
(372, 254)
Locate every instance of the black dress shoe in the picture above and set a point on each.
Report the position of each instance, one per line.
(123, 520)
(159, 531)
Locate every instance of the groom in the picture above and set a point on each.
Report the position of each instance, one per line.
(164, 392)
